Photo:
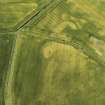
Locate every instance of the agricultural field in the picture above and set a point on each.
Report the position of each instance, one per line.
(52, 52)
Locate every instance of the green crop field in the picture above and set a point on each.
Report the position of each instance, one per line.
(52, 52)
